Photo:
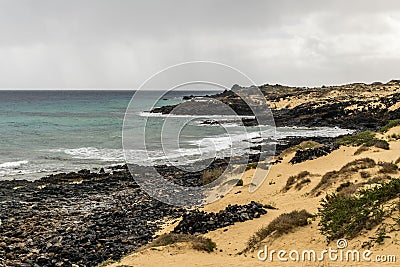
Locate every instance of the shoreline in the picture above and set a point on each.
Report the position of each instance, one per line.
(81, 203)
(231, 240)
(87, 218)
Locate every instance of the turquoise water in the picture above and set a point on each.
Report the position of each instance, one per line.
(51, 131)
(44, 132)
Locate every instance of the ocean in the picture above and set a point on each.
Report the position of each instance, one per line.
(46, 132)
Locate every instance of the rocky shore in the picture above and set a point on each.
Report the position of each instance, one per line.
(85, 217)
(354, 106)
(79, 218)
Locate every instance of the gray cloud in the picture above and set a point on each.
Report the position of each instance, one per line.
(118, 44)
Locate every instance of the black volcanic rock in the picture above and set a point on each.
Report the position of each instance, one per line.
(313, 153)
(81, 218)
(200, 222)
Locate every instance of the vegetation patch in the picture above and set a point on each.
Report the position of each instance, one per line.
(252, 165)
(394, 136)
(302, 183)
(397, 161)
(388, 167)
(239, 183)
(358, 164)
(297, 179)
(356, 139)
(198, 242)
(283, 224)
(346, 216)
(352, 167)
(365, 174)
(211, 175)
(343, 185)
(391, 124)
(366, 139)
(361, 149)
(381, 144)
(348, 188)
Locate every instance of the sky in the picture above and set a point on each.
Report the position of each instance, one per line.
(120, 43)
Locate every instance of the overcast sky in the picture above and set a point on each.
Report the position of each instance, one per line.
(119, 44)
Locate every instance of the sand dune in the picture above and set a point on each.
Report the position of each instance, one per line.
(231, 240)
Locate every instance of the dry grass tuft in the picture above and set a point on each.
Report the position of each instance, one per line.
(198, 242)
(352, 167)
(388, 167)
(361, 149)
(283, 224)
(298, 179)
(211, 175)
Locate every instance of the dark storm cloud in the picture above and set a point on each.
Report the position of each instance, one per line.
(118, 44)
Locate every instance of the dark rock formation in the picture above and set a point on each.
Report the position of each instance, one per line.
(313, 153)
(200, 222)
(81, 218)
(351, 109)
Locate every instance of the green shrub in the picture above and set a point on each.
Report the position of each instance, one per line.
(364, 139)
(239, 183)
(283, 224)
(346, 216)
(356, 139)
(391, 124)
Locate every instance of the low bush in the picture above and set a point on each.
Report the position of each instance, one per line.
(303, 182)
(283, 224)
(198, 242)
(381, 144)
(349, 190)
(342, 186)
(364, 139)
(361, 149)
(365, 175)
(389, 125)
(330, 177)
(356, 139)
(388, 167)
(358, 164)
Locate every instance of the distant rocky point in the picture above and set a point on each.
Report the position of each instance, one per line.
(354, 106)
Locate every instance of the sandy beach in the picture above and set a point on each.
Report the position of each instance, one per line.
(232, 239)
